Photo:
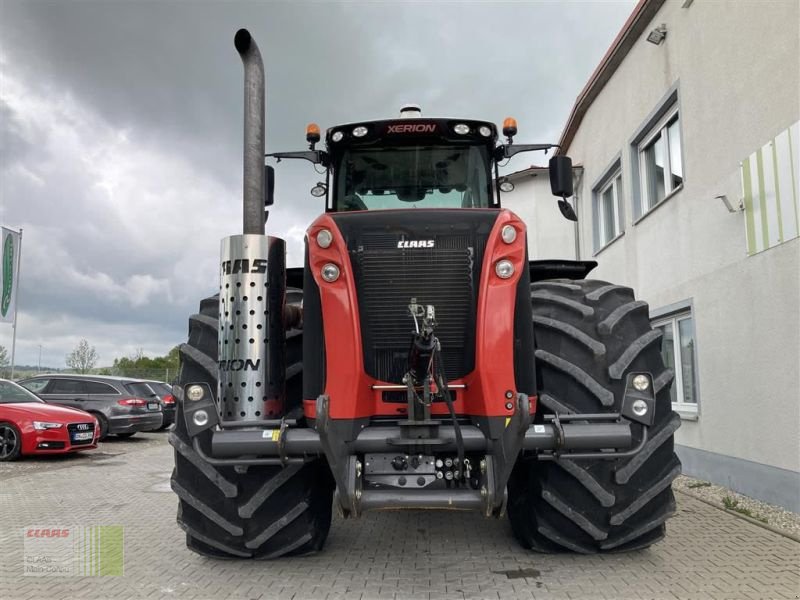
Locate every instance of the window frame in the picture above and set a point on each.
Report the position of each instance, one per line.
(668, 104)
(57, 380)
(112, 390)
(672, 317)
(614, 183)
(612, 177)
(37, 380)
(659, 129)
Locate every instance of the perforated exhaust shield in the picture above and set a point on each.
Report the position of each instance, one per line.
(251, 335)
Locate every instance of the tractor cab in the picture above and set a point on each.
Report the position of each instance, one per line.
(414, 162)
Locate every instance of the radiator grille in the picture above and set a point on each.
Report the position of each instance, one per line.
(75, 428)
(387, 278)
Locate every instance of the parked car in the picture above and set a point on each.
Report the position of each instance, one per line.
(28, 425)
(164, 392)
(122, 406)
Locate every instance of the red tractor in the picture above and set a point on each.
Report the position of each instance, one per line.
(417, 360)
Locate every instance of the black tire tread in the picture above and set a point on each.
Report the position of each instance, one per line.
(590, 506)
(603, 395)
(580, 308)
(258, 512)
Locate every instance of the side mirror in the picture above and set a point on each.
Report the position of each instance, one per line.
(561, 176)
(566, 210)
(269, 185)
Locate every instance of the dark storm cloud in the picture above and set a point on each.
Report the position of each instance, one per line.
(120, 127)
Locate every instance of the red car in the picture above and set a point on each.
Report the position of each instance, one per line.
(30, 426)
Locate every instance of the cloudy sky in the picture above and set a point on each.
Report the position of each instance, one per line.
(120, 132)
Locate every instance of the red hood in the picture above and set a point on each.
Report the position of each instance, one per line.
(44, 412)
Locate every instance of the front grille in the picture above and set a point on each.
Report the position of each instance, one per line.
(74, 428)
(446, 275)
(388, 278)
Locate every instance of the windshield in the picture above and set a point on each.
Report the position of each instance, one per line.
(13, 393)
(413, 177)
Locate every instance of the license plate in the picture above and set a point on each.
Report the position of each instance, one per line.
(80, 436)
(152, 406)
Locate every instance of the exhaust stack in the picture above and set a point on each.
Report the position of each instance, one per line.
(254, 175)
(252, 290)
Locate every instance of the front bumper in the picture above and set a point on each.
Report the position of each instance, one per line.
(353, 448)
(168, 412)
(54, 441)
(134, 423)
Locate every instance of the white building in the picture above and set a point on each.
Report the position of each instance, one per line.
(688, 137)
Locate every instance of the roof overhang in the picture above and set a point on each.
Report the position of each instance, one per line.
(636, 24)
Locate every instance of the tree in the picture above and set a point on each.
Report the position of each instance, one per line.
(139, 365)
(82, 358)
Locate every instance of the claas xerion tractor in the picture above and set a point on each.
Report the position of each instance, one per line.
(417, 360)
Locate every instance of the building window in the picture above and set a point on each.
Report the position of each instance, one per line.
(607, 206)
(608, 213)
(679, 352)
(660, 164)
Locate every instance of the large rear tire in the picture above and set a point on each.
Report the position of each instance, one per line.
(244, 512)
(589, 336)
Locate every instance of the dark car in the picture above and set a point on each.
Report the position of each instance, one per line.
(122, 406)
(164, 392)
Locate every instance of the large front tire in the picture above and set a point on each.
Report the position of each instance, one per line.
(243, 512)
(589, 336)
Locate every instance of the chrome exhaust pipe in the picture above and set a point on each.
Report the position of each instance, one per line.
(252, 291)
(254, 176)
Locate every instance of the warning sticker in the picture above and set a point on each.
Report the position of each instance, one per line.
(538, 429)
(271, 434)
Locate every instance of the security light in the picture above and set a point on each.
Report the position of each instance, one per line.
(657, 35)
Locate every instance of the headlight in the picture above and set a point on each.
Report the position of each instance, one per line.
(639, 408)
(324, 238)
(461, 129)
(508, 233)
(360, 131)
(641, 383)
(337, 136)
(42, 425)
(195, 392)
(330, 272)
(504, 268)
(200, 418)
(485, 131)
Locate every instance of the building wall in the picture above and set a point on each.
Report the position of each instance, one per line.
(550, 235)
(736, 69)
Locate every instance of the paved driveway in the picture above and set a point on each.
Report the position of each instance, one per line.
(439, 554)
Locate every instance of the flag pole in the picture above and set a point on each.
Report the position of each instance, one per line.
(16, 304)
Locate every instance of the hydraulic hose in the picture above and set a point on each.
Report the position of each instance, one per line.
(441, 382)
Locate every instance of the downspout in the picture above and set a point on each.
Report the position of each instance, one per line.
(577, 180)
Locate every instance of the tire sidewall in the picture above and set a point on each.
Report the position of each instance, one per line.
(17, 452)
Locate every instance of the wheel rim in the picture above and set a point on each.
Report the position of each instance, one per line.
(8, 441)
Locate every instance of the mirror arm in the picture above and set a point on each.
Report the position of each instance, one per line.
(507, 151)
(318, 157)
